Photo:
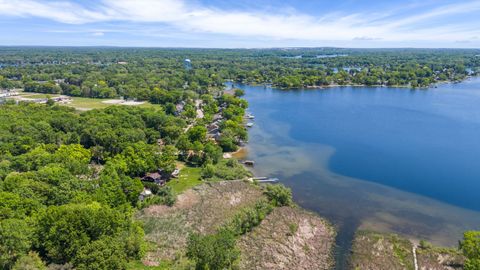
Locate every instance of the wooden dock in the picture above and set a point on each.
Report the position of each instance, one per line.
(266, 179)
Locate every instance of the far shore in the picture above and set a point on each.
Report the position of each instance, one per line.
(433, 85)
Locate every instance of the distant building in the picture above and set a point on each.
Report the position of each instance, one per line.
(7, 93)
(187, 63)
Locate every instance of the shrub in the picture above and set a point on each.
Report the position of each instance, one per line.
(279, 195)
(31, 261)
(249, 218)
(213, 252)
(425, 244)
(470, 245)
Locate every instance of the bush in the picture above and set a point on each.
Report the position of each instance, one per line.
(166, 199)
(239, 92)
(229, 169)
(249, 218)
(71, 230)
(470, 245)
(425, 244)
(31, 261)
(213, 252)
(279, 195)
(292, 229)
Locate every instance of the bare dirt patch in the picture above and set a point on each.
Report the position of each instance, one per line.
(288, 238)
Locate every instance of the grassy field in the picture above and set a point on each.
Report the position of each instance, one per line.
(87, 103)
(36, 95)
(188, 178)
(82, 103)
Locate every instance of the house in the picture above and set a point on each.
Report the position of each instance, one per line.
(160, 142)
(212, 126)
(214, 134)
(198, 103)
(213, 131)
(155, 177)
(200, 114)
(217, 116)
(59, 81)
(179, 107)
(7, 93)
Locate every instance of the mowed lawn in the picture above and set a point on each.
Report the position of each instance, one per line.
(188, 178)
(36, 95)
(83, 103)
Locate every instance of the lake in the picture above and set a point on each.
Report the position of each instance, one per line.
(385, 159)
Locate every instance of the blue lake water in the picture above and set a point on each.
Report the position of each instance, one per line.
(388, 159)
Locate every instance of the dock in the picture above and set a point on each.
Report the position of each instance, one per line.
(269, 180)
(265, 179)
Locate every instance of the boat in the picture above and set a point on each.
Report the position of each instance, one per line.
(249, 125)
(249, 162)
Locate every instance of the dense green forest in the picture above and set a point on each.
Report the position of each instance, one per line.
(70, 181)
(161, 76)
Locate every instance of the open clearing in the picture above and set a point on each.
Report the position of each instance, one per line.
(85, 104)
(188, 178)
(201, 209)
(288, 238)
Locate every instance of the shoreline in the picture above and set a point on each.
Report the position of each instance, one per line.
(313, 87)
(383, 221)
(239, 154)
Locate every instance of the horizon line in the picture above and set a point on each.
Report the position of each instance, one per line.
(238, 48)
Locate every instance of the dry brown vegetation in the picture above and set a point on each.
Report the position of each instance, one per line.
(201, 209)
(439, 259)
(379, 252)
(288, 238)
(388, 251)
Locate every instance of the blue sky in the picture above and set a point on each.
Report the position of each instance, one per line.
(241, 23)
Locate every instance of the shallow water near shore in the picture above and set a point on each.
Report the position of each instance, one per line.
(384, 159)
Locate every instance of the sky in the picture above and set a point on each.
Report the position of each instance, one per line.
(241, 23)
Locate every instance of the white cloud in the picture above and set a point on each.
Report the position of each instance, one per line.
(98, 34)
(66, 12)
(194, 18)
